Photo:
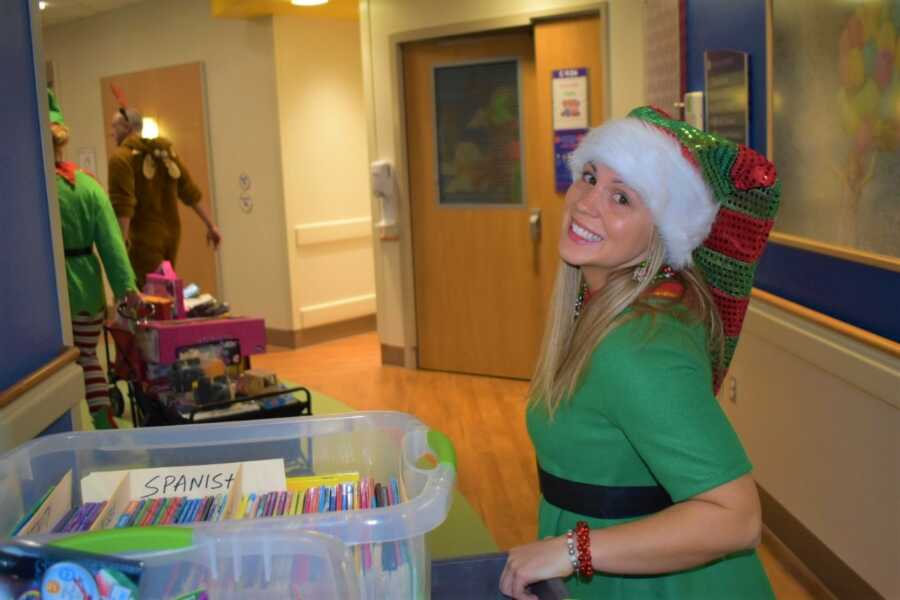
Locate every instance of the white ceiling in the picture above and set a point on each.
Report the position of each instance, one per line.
(62, 11)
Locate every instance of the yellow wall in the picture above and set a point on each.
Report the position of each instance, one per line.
(819, 415)
(383, 24)
(243, 123)
(323, 150)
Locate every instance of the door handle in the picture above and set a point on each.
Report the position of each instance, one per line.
(534, 224)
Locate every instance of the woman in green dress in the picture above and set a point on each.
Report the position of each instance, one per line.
(646, 491)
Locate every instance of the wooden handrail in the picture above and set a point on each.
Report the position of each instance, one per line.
(861, 335)
(68, 355)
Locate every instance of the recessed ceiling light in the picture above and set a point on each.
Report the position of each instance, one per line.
(42, 5)
(308, 2)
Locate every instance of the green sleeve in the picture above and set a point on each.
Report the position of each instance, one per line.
(108, 239)
(188, 192)
(121, 186)
(661, 399)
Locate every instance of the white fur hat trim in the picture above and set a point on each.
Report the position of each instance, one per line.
(651, 162)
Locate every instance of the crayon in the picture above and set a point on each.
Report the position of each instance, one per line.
(188, 515)
(251, 502)
(175, 509)
(75, 518)
(223, 506)
(182, 511)
(126, 515)
(203, 513)
(92, 516)
(61, 524)
(242, 508)
(152, 505)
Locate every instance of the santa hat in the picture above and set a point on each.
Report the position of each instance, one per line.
(713, 201)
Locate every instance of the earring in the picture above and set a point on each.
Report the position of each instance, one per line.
(641, 271)
(579, 301)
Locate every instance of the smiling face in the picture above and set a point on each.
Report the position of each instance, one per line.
(606, 225)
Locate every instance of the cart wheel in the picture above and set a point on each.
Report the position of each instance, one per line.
(118, 402)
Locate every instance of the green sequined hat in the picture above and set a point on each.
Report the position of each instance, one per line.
(56, 115)
(713, 201)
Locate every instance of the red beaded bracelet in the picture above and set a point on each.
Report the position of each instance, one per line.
(583, 540)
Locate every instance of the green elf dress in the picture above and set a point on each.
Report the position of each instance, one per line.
(644, 429)
(645, 416)
(88, 222)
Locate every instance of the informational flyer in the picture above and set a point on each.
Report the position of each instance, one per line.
(570, 99)
(564, 143)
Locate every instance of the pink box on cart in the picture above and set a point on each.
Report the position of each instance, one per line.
(160, 341)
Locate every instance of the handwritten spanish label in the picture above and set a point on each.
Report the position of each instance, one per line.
(52, 509)
(193, 481)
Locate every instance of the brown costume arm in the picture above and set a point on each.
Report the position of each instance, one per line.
(121, 191)
(190, 194)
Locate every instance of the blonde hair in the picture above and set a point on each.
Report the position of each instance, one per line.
(568, 343)
(60, 134)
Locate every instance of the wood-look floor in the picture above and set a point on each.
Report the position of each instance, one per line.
(485, 419)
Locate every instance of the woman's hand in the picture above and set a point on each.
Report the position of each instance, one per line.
(534, 562)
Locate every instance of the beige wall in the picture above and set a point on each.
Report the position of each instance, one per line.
(383, 24)
(243, 122)
(323, 150)
(819, 415)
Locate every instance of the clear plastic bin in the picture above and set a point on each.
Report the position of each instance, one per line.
(376, 444)
(181, 562)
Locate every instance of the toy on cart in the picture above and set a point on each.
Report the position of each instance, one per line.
(182, 369)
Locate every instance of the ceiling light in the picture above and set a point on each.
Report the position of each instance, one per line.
(308, 2)
(151, 128)
(42, 5)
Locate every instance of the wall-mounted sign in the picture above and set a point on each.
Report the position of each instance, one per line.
(571, 114)
(564, 143)
(727, 94)
(570, 99)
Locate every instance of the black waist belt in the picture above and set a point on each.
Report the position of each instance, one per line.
(73, 252)
(601, 501)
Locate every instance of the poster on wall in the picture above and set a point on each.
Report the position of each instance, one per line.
(570, 119)
(836, 122)
(727, 94)
(564, 143)
(570, 99)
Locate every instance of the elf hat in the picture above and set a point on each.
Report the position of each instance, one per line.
(56, 115)
(713, 201)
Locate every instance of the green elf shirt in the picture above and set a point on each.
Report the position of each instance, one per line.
(88, 220)
(645, 415)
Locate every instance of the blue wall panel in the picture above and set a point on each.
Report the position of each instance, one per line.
(852, 292)
(731, 25)
(30, 331)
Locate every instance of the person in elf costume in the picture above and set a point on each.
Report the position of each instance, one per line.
(646, 491)
(87, 222)
(146, 180)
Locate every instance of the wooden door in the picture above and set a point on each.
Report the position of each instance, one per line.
(482, 279)
(569, 43)
(174, 96)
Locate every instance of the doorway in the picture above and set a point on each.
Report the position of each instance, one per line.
(485, 209)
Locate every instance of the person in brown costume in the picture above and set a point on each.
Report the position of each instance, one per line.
(146, 180)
